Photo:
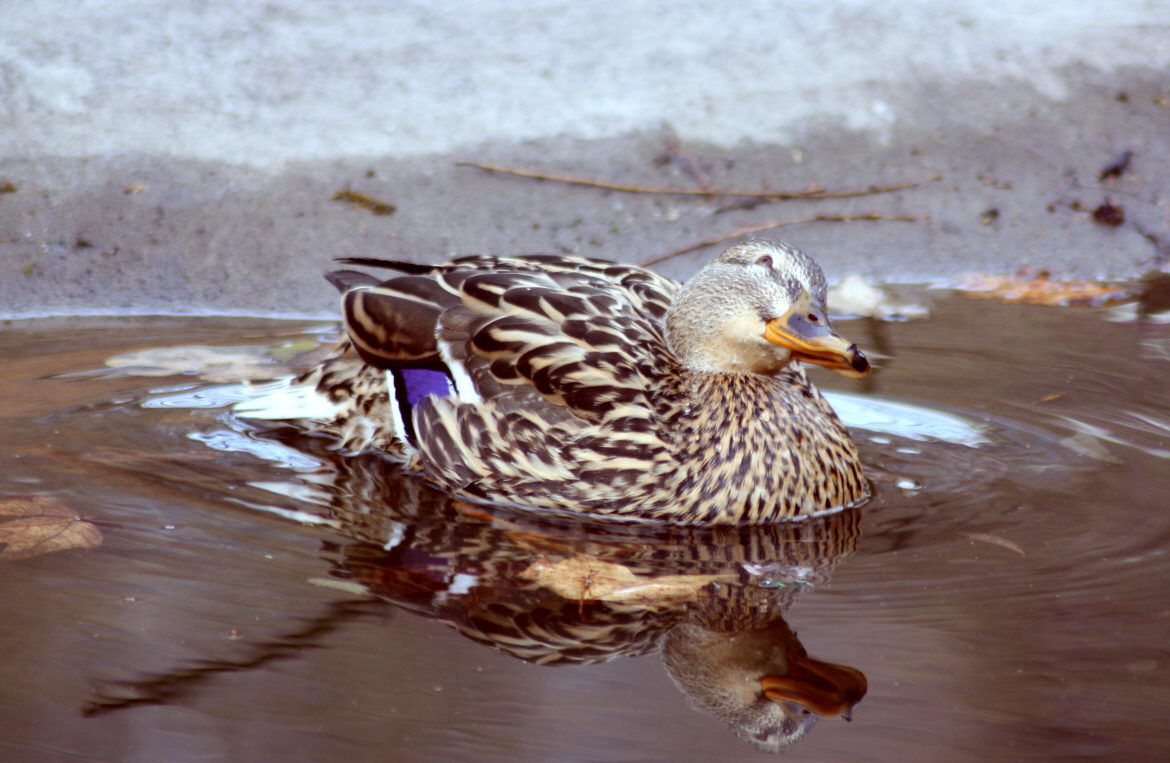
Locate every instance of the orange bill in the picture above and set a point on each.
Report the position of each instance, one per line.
(806, 332)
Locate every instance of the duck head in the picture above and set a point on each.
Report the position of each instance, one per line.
(754, 309)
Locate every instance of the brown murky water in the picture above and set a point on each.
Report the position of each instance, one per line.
(1006, 595)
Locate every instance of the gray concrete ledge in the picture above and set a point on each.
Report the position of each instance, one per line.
(189, 164)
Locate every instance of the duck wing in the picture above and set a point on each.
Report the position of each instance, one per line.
(582, 333)
(586, 337)
(516, 375)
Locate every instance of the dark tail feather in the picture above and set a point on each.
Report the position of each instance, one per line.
(392, 324)
(410, 268)
(344, 280)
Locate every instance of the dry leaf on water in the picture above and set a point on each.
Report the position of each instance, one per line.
(214, 364)
(1039, 290)
(42, 526)
(591, 579)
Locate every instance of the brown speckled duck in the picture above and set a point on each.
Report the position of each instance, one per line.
(571, 384)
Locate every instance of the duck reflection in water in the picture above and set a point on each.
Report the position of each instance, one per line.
(761, 682)
(567, 591)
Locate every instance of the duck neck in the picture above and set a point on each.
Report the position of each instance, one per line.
(718, 414)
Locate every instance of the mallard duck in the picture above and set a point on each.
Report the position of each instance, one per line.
(571, 384)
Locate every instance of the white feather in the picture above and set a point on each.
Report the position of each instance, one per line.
(282, 400)
(395, 410)
(464, 387)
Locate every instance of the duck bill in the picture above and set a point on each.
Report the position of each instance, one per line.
(825, 689)
(815, 342)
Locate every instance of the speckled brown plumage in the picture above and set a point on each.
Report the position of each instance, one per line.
(412, 544)
(710, 599)
(609, 390)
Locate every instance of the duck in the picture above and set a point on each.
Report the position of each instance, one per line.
(579, 386)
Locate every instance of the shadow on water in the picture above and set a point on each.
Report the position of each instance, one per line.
(1004, 594)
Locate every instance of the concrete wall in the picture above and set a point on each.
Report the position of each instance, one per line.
(182, 156)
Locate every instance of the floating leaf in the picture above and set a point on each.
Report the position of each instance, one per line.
(42, 526)
(588, 578)
(1039, 290)
(1087, 445)
(215, 364)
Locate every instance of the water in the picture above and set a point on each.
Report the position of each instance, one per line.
(1006, 594)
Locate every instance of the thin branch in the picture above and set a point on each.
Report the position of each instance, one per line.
(776, 224)
(812, 193)
(1106, 189)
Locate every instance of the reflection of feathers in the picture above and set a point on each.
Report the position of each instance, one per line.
(515, 579)
(578, 385)
(573, 590)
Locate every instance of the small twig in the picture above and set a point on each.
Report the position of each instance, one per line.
(812, 193)
(1161, 250)
(996, 540)
(1110, 189)
(776, 224)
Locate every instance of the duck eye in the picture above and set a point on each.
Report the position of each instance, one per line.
(812, 318)
(766, 261)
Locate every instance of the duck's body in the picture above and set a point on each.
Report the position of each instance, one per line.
(580, 385)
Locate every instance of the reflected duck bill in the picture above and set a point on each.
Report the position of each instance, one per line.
(824, 689)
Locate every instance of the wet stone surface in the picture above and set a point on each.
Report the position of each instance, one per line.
(252, 596)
